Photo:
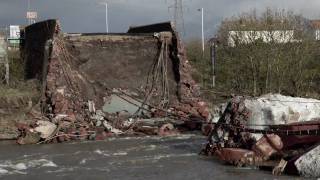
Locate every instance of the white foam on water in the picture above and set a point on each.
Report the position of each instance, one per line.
(98, 151)
(158, 157)
(83, 161)
(41, 163)
(62, 170)
(152, 159)
(120, 154)
(184, 136)
(151, 148)
(49, 164)
(21, 166)
(3, 171)
(18, 172)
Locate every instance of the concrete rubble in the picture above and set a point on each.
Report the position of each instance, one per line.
(99, 85)
(45, 128)
(308, 165)
(273, 131)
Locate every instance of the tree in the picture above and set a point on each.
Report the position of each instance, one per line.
(273, 52)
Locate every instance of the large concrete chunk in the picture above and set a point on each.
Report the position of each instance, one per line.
(45, 128)
(273, 109)
(268, 145)
(308, 165)
(117, 104)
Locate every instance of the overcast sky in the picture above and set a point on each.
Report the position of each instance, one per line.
(89, 15)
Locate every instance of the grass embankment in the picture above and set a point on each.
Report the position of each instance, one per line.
(17, 98)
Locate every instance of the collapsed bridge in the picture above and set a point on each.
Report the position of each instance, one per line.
(97, 79)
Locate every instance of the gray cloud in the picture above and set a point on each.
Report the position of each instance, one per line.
(88, 15)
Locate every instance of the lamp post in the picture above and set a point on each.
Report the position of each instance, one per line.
(202, 28)
(107, 22)
(213, 49)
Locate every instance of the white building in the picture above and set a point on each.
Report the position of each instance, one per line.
(316, 26)
(246, 37)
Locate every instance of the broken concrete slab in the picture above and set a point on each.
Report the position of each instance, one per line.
(115, 104)
(29, 138)
(308, 165)
(45, 128)
(268, 145)
(235, 156)
(278, 109)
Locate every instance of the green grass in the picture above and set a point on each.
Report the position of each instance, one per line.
(20, 90)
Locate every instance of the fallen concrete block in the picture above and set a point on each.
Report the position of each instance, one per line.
(117, 104)
(278, 170)
(308, 165)
(167, 130)
(45, 128)
(273, 109)
(235, 156)
(29, 138)
(268, 145)
(110, 128)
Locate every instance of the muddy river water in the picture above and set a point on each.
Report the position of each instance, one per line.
(135, 158)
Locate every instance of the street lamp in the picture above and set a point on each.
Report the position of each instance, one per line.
(213, 52)
(107, 22)
(202, 27)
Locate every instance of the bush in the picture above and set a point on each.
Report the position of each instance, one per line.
(258, 67)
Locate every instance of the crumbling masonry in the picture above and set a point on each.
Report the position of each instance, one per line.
(91, 77)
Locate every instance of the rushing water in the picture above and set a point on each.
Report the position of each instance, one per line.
(120, 158)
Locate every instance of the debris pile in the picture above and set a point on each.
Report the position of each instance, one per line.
(100, 85)
(274, 131)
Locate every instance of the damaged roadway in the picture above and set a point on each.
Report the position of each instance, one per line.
(99, 86)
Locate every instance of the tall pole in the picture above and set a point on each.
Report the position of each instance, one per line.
(107, 22)
(213, 60)
(7, 64)
(202, 25)
(29, 21)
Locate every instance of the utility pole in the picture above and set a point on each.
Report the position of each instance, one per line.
(28, 10)
(202, 29)
(7, 65)
(178, 16)
(107, 22)
(213, 47)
